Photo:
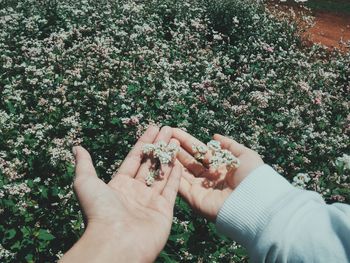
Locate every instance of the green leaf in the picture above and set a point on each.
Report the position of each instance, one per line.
(132, 89)
(16, 246)
(29, 258)
(165, 258)
(70, 169)
(158, 104)
(11, 107)
(43, 234)
(115, 121)
(10, 234)
(44, 191)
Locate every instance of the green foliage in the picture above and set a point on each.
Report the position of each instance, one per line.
(340, 6)
(97, 72)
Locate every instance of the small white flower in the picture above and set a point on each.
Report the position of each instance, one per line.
(343, 161)
(150, 179)
(300, 180)
(219, 157)
(148, 148)
(235, 20)
(214, 145)
(160, 144)
(199, 151)
(164, 157)
(163, 153)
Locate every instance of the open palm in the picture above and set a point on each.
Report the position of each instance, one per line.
(203, 188)
(139, 215)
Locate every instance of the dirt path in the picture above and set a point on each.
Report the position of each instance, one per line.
(330, 29)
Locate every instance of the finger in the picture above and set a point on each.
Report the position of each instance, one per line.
(172, 185)
(189, 176)
(186, 140)
(164, 135)
(187, 182)
(133, 160)
(185, 189)
(84, 171)
(226, 143)
(84, 167)
(166, 169)
(191, 164)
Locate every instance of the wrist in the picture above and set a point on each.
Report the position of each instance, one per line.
(248, 208)
(101, 243)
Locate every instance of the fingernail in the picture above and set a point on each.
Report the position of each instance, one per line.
(166, 129)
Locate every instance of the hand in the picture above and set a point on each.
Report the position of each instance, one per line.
(127, 221)
(203, 188)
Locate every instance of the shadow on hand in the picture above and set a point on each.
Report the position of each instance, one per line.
(212, 179)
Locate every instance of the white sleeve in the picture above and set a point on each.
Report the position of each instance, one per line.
(277, 222)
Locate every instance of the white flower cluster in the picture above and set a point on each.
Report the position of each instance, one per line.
(343, 161)
(20, 189)
(300, 180)
(219, 156)
(11, 168)
(199, 151)
(163, 153)
(297, 1)
(104, 83)
(151, 177)
(160, 150)
(5, 254)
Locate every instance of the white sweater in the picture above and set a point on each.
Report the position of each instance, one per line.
(278, 222)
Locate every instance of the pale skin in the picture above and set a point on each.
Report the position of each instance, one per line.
(204, 191)
(128, 221)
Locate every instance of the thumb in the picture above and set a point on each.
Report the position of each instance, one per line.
(84, 168)
(82, 185)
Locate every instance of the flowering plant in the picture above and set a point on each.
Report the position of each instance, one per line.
(218, 157)
(96, 72)
(162, 154)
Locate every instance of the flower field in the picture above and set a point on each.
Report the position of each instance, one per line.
(96, 73)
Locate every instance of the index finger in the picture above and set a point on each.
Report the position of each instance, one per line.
(186, 140)
(172, 185)
(236, 148)
(133, 160)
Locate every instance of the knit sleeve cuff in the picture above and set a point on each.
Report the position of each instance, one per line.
(246, 211)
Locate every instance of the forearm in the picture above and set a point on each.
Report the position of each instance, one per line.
(99, 245)
(279, 223)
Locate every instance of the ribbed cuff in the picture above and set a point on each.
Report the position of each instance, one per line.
(246, 211)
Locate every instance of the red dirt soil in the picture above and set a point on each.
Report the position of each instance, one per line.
(330, 29)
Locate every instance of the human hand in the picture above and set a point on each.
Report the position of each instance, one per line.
(127, 221)
(204, 189)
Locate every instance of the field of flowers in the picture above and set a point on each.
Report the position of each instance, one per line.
(97, 73)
